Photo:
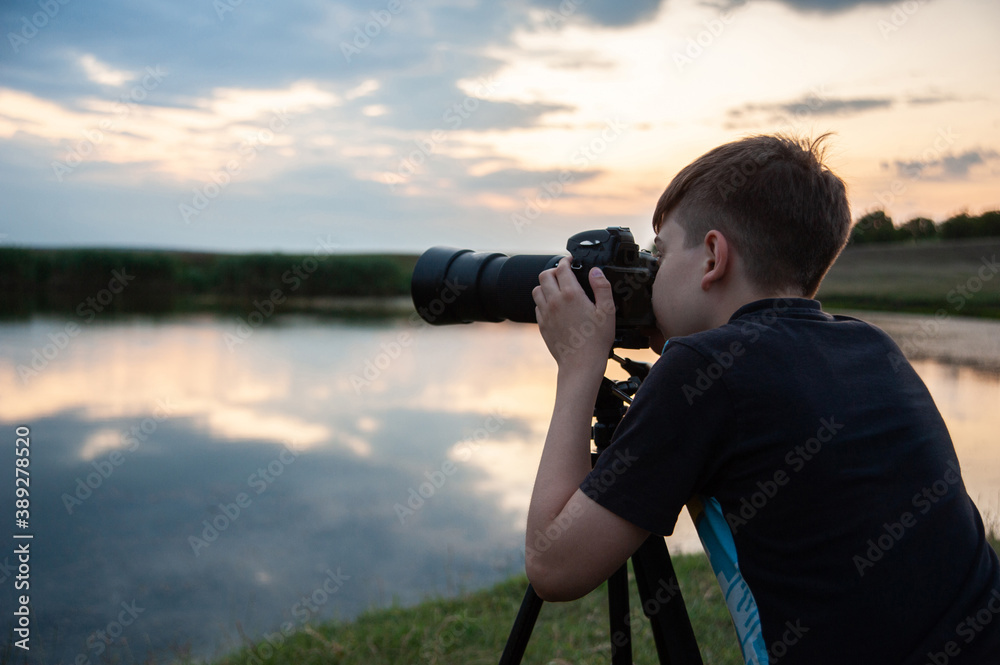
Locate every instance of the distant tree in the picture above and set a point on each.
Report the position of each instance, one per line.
(961, 225)
(989, 223)
(918, 228)
(964, 225)
(875, 226)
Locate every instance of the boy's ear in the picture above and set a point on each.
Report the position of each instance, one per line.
(718, 259)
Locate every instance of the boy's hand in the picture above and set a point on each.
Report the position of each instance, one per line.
(579, 333)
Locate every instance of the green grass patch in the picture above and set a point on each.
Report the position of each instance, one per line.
(474, 629)
(959, 277)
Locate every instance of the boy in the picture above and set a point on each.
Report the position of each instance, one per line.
(821, 476)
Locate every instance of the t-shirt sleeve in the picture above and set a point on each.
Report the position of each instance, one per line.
(667, 447)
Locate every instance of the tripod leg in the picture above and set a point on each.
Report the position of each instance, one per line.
(663, 604)
(618, 615)
(520, 632)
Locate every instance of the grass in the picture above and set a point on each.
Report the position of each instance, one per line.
(957, 276)
(473, 629)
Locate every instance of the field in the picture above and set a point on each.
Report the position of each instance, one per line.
(957, 276)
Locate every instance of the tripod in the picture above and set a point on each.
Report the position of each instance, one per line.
(654, 573)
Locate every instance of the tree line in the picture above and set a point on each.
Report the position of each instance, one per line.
(65, 280)
(877, 226)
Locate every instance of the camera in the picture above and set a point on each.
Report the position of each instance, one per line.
(461, 286)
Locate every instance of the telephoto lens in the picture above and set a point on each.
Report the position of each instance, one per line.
(461, 286)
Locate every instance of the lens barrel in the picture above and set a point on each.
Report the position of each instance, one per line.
(461, 286)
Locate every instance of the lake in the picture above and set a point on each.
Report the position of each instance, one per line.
(193, 480)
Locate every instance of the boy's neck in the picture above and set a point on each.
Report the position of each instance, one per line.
(733, 299)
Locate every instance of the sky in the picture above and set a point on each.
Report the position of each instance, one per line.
(396, 125)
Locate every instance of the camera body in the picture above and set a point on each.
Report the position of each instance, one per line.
(630, 271)
(459, 286)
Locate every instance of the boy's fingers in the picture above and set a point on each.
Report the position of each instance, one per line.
(561, 267)
(603, 297)
(538, 295)
(547, 282)
(564, 275)
(560, 279)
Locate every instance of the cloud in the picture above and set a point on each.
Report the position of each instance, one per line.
(429, 102)
(837, 106)
(609, 13)
(100, 73)
(945, 167)
(469, 107)
(179, 141)
(824, 6)
(512, 180)
(927, 100)
(254, 45)
(816, 104)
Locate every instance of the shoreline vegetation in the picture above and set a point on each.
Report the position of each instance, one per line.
(931, 276)
(120, 281)
(473, 628)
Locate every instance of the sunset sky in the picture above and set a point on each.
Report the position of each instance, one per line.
(394, 125)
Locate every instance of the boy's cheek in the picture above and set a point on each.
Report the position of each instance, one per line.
(657, 337)
(661, 307)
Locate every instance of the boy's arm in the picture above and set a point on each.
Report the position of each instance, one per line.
(572, 543)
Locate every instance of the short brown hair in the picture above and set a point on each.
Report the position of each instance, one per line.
(772, 197)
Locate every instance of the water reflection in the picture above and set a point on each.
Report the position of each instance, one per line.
(163, 477)
(316, 469)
